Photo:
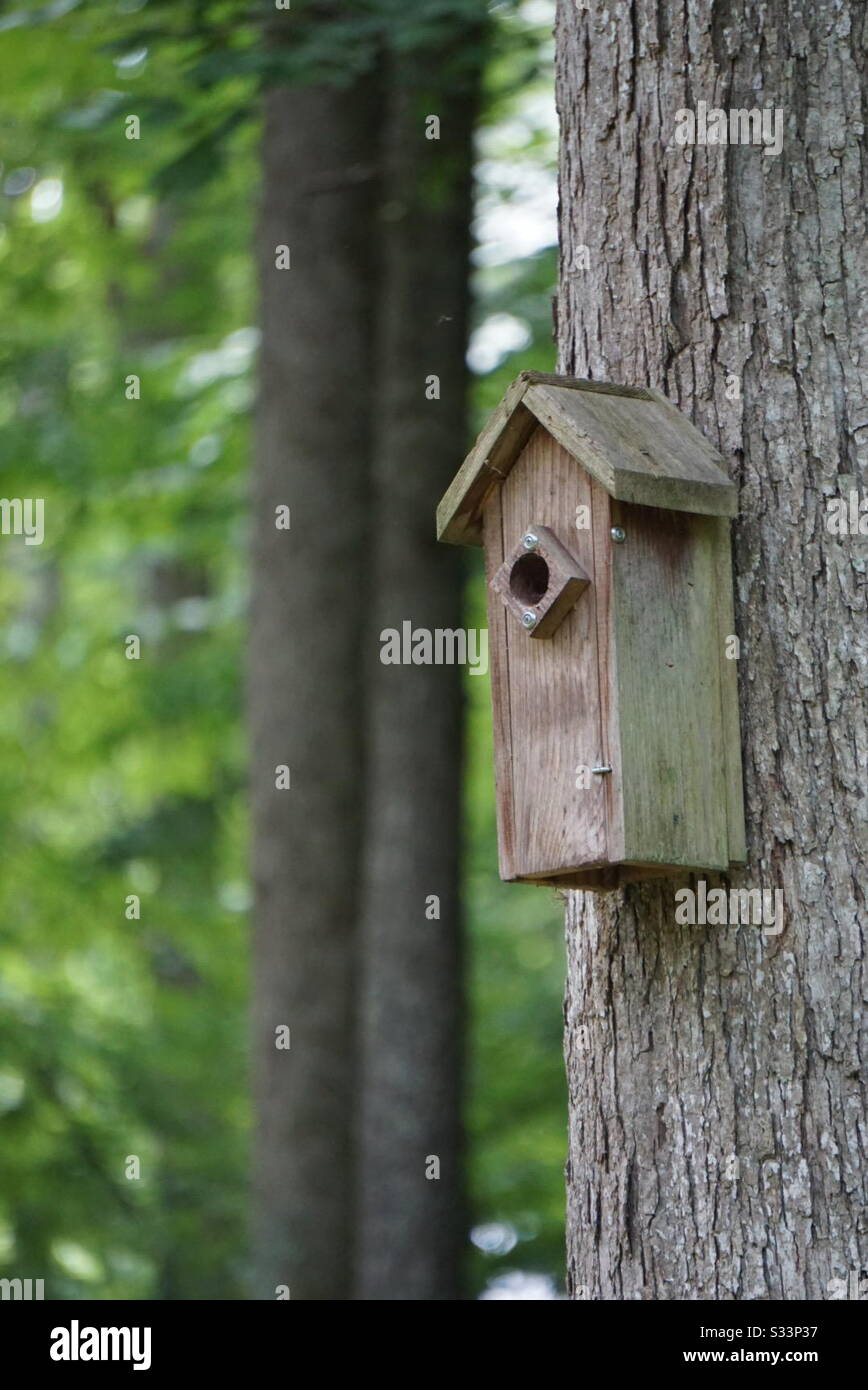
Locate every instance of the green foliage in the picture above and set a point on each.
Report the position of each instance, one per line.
(122, 777)
(123, 1036)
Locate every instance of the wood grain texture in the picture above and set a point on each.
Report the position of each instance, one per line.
(554, 689)
(641, 449)
(498, 658)
(459, 515)
(664, 621)
(610, 742)
(580, 383)
(567, 581)
(630, 439)
(642, 678)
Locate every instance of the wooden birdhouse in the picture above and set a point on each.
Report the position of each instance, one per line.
(604, 515)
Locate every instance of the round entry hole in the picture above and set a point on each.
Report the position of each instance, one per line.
(529, 578)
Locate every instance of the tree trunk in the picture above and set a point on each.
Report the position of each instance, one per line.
(411, 1221)
(717, 1074)
(309, 607)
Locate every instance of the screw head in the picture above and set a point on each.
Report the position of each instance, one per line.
(528, 619)
(530, 541)
(618, 534)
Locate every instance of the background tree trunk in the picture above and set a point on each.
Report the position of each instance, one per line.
(716, 1075)
(412, 1225)
(306, 687)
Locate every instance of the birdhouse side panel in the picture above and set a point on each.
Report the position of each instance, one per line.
(667, 660)
(559, 804)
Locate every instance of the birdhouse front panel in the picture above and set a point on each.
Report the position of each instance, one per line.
(604, 517)
(549, 688)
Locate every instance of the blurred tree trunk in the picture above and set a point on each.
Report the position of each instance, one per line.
(411, 1222)
(305, 688)
(717, 1076)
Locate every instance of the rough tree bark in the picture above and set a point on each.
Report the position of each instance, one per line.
(411, 1223)
(717, 1076)
(305, 689)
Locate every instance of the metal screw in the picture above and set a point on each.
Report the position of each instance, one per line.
(528, 619)
(530, 541)
(598, 771)
(618, 534)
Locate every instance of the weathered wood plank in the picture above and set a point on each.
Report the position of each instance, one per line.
(580, 383)
(668, 688)
(610, 742)
(567, 581)
(642, 450)
(554, 685)
(498, 619)
(489, 461)
(631, 439)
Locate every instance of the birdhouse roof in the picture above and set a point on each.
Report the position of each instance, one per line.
(636, 444)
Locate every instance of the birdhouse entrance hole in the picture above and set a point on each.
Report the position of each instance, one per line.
(529, 578)
(540, 581)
